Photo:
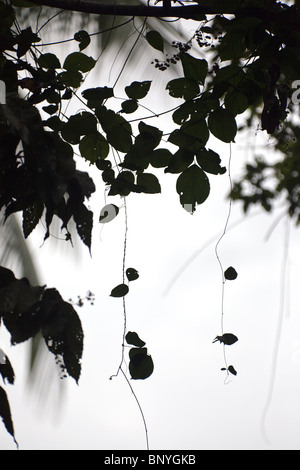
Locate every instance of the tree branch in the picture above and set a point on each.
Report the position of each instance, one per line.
(288, 17)
(187, 12)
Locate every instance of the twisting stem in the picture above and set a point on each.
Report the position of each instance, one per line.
(220, 262)
(140, 408)
(124, 301)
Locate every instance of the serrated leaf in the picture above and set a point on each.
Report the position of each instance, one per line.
(134, 339)
(155, 40)
(83, 218)
(138, 90)
(5, 414)
(120, 291)
(193, 187)
(62, 332)
(108, 213)
(31, 217)
(222, 125)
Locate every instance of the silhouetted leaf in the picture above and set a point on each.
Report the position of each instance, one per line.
(134, 339)
(141, 365)
(193, 135)
(185, 88)
(129, 106)
(155, 40)
(83, 38)
(210, 161)
(132, 274)
(230, 274)
(24, 40)
(6, 370)
(31, 217)
(79, 125)
(120, 291)
(232, 46)
(222, 125)
(160, 158)
(103, 164)
(180, 161)
(195, 69)
(232, 370)
(5, 414)
(49, 61)
(193, 187)
(96, 96)
(77, 61)
(236, 102)
(70, 78)
(119, 136)
(62, 332)
(138, 90)
(226, 338)
(123, 184)
(83, 219)
(108, 213)
(19, 308)
(93, 146)
(148, 183)
(153, 133)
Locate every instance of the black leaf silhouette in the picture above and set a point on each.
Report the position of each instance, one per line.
(6, 415)
(232, 370)
(226, 338)
(132, 274)
(230, 274)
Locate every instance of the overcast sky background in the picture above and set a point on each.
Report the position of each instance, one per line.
(175, 307)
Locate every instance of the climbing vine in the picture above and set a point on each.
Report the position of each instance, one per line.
(240, 64)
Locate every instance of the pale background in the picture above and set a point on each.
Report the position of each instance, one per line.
(175, 307)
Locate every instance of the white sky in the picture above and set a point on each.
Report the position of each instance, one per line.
(185, 402)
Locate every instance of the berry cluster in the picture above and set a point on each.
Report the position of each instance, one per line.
(90, 297)
(181, 47)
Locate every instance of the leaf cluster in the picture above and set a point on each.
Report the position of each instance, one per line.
(26, 311)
